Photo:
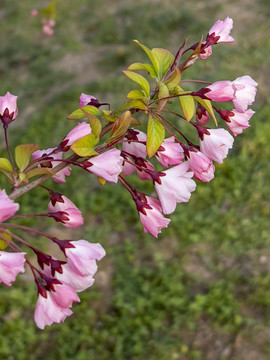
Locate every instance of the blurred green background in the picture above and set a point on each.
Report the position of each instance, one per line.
(200, 291)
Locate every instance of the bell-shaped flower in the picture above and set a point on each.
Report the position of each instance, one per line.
(136, 144)
(107, 165)
(201, 166)
(53, 306)
(63, 210)
(74, 279)
(238, 121)
(80, 131)
(169, 153)
(8, 108)
(11, 264)
(151, 216)
(220, 91)
(144, 165)
(216, 144)
(245, 91)
(83, 255)
(175, 186)
(222, 29)
(7, 206)
(60, 176)
(87, 100)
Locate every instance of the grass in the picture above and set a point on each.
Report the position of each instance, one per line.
(205, 280)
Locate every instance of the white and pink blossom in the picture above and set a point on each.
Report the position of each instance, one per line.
(221, 91)
(11, 264)
(216, 144)
(169, 153)
(238, 121)
(55, 307)
(133, 147)
(8, 108)
(222, 28)
(7, 206)
(86, 99)
(202, 167)
(81, 130)
(60, 176)
(108, 165)
(245, 89)
(175, 187)
(151, 217)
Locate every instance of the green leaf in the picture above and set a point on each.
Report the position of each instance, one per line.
(151, 56)
(135, 94)
(133, 104)
(4, 243)
(208, 107)
(23, 154)
(120, 126)
(163, 92)
(164, 59)
(155, 136)
(95, 124)
(81, 113)
(147, 67)
(38, 171)
(188, 106)
(139, 79)
(5, 165)
(109, 115)
(173, 80)
(85, 146)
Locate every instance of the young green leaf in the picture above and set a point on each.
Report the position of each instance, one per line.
(38, 171)
(81, 113)
(95, 124)
(120, 126)
(188, 106)
(164, 59)
(23, 154)
(147, 67)
(151, 56)
(85, 146)
(155, 136)
(163, 92)
(139, 79)
(5, 165)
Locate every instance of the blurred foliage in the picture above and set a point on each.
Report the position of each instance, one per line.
(211, 266)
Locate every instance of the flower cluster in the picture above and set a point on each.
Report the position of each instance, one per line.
(107, 144)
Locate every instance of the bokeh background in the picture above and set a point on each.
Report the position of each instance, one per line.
(200, 291)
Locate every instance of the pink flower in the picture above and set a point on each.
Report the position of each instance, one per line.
(8, 108)
(145, 165)
(63, 210)
(216, 144)
(51, 22)
(7, 207)
(59, 177)
(169, 153)
(202, 115)
(222, 30)
(175, 187)
(202, 167)
(55, 306)
(74, 279)
(245, 92)
(80, 131)
(47, 30)
(151, 217)
(220, 91)
(205, 52)
(107, 165)
(135, 148)
(11, 264)
(86, 100)
(238, 121)
(82, 257)
(34, 12)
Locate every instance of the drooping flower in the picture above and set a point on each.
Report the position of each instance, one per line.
(107, 165)
(201, 166)
(136, 144)
(7, 206)
(202, 116)
(151, 216)
(80, 131)
(174, 186)
(74, 279)
(83, 255)
(220, 91)
(59, 177)
(63, 210)
(235, 120)
(11, 264)
(169, 153)
(144, 165)
(216, 144)
(245, 91)
(8, 108)
(53, 306)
